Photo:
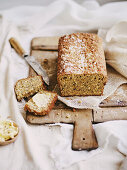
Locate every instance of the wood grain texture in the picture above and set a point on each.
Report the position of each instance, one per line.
(45, 43)
(17, 46)
(107, 114)
(119, 98)
(48, 60)
(83, 134)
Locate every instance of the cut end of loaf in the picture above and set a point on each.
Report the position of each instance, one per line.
(81, 85)
(41, 103)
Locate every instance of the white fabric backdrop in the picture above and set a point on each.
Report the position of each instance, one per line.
(45, 147)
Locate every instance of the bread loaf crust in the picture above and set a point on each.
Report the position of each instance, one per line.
(81, 54)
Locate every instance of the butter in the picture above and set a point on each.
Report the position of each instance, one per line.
(41, 100)
(7, 130)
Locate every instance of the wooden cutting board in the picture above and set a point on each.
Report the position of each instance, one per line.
(44, 49)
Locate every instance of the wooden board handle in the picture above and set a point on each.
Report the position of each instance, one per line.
(83, 134)
(16, 45)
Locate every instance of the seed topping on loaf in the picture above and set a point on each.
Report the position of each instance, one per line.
(81, 65)
(85, 47)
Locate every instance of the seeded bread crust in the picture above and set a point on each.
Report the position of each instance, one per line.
(27, 87)
(81, 65)
(31, 107)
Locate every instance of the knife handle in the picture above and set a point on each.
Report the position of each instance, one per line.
(16, 45)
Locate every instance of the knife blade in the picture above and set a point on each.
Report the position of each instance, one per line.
(30, 59)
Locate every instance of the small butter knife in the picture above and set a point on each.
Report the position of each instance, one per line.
(30, 60)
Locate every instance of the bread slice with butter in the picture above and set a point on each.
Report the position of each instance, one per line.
(41, 103)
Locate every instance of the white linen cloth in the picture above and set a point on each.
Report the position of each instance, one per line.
(45, 147)
(115, 40)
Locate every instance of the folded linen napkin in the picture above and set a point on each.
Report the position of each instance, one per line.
(115, 45)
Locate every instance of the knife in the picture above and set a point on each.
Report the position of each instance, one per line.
(30, 59)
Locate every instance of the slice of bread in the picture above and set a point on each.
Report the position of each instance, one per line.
(41, 103)
(29, 86)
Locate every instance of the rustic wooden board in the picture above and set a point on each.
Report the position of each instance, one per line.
(83, 134)
(119, 98)
(45, 51)
(107, 114)
(45, 43)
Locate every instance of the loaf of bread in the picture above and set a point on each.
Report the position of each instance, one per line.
(41, 103)
(28, 86)
(81, 65)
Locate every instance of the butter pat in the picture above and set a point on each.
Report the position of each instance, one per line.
(7, 130)
(41, 100)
